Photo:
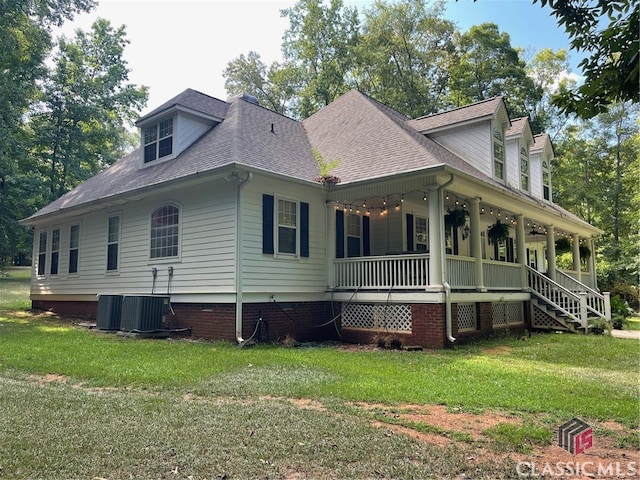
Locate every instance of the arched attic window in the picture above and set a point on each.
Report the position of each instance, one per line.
(165, 232)
(524, 169)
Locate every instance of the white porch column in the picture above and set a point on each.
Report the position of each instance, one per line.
(592, 263)
(436, 239)
(575, 253)
(330, 243)
(551, 253)
(476, 242)
(521, 249)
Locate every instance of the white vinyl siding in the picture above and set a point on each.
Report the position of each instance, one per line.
(471, 143)
(286, 274)
(208, 243)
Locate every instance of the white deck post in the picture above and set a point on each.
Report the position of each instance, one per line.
(521, 250)
(476, 242)
(435, 238)
(551, 253)
(575, 253)
(607, 305)
(583, 309)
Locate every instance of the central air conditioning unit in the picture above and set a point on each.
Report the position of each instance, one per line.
(143, 313)
(109, 310)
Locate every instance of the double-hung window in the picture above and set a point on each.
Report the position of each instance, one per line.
(74, 248)
(158, 140)
(524, 169)
(55, 251)
(498, 155)
(42, 252)
(422, 236)
(353, 235)
(165, 232)
(546, 180)
(113, 243)
(287, 226)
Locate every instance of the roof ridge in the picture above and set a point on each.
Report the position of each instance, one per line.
(469, 105)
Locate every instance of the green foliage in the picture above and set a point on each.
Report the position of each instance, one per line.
(326, 168)
(608, 32)
(498, 232)
(563, 245)
(87, 103)
(519, 438)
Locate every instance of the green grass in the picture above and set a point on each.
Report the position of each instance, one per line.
(77, 403)
(14, 288)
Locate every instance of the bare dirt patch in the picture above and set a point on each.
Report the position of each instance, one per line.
(444, 427)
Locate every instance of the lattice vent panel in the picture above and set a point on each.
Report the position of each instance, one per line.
(467, 319)
(514, 313)
(542, 320)
(498, 317)
(377, 317)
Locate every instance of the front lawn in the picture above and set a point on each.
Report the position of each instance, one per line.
(77, 403)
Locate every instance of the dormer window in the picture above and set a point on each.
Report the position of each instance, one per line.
(498, 155)
(524, 169)
(158, 140)
(546, 180)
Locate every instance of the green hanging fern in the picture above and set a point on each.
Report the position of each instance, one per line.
(498, 232)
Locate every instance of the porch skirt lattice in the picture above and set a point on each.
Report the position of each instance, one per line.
(377, 317)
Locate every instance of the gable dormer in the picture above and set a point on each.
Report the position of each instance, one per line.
(172, 127)
(540, 157)
(475, 133)
(519, 139)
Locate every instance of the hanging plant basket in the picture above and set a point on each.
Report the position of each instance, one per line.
(329, 180)
(563, 245)
(498, 232)
(456, 218)
(585, 252)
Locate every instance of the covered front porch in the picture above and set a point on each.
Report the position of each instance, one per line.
(429, 241)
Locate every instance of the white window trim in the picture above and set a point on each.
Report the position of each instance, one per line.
(77, 272)
(415, 233)
(547, 169)
(46, 253)
(276, 229)
(116, 271)
(164, 260)
(156, 124)
(51, 250)
(528, 172)
(493, 157)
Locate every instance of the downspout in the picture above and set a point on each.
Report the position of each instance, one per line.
(443, 264)
(240, 183)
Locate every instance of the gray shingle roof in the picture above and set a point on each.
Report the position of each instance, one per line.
(373, 140)
(193, 100)
(475, 111)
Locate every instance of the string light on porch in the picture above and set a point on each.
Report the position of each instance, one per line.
(424, 196)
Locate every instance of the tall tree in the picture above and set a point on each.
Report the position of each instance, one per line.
(25, 41)
(596, 177)
(273, 86)
(607, 31)
(404, 55)
(86, 105)
(488, 66)
(320, 46)
(549, 71)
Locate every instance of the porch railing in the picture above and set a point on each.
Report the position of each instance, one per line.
(383, 273)
(501, 274)
(412, 272)
(597, 303)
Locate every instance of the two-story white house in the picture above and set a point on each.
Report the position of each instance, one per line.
(221, 210)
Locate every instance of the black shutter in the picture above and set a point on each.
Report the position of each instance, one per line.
(409, 232)
(304, 229)
(366, 247)
(339, 234)
(267, 224)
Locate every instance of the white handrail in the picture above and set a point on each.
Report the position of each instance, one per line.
(559, 297)
(595, 300)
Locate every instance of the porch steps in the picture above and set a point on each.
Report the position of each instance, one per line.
(551, 318)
